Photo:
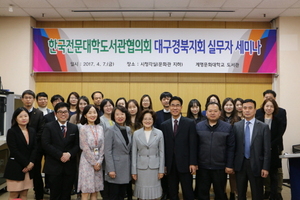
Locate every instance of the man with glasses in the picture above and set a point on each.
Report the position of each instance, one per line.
(60, 140)
(42, 101)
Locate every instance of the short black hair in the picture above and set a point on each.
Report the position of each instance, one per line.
(213, 103)
(251, 101)
(86, 109)
(41, 94)
(176, 98)
(30, 92)
(144, 112)
(270, 92)
(95, 93)
(165, 94)
(56, 97)
(123, 110)
(61, 105)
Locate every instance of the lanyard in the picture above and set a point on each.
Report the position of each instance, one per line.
(95, 135)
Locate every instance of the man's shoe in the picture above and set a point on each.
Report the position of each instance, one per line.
(164, 196)
(47, 191)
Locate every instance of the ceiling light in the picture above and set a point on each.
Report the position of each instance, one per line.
(10, 8)
(169, 11)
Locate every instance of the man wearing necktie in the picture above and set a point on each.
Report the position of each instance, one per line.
(252, 153)
(180, 151)
(60, 141)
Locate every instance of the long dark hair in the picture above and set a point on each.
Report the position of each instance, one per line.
(191, 104)
(137, 124)
(84, 98)
(16, 114)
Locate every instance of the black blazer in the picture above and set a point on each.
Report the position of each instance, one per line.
(21, 153)
(259, 148)
(281, 115)
(183, 146)
(36, 121)
(50, 117)
(276, 140)
(55, 145)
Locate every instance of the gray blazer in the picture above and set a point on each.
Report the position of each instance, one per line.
(149, 154)
(259, 149)
(117, 155)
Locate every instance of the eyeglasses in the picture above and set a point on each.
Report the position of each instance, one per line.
(62, 112)
(175, 105)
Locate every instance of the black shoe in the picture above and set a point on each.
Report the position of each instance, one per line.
(47, 191)
(267, 195)
(164, 196)
(73, 192)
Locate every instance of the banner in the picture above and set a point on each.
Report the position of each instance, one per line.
(150, 50)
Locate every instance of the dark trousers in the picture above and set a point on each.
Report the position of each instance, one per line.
(273, 174)
(185, 179)
(117, 191)
(164, 184)
(61, 186)
(37, 179)
(105, 192)
(206, 177)
(256, 183)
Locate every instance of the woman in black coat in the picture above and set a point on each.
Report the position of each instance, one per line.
(21, 142)
(270, 108)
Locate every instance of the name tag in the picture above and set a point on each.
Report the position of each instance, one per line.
(96, 151)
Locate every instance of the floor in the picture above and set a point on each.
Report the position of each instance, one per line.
(286, 194)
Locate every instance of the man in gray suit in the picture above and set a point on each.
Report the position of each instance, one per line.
(252, 153)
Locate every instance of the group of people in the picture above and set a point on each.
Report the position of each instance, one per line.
(107, 147)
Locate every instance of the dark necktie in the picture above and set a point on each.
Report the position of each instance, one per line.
(247, 140)
(175, 126)
(63, 130)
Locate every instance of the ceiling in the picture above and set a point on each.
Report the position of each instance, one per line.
(61, 10)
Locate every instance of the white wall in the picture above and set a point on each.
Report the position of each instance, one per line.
(16, 53)
(288, 82)
(16, 66)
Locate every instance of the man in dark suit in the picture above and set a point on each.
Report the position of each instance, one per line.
(281, 115)
(161, 116)
(180, 151)
(252, 153)
(60, 141)
(36, 121)
(55, 99)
